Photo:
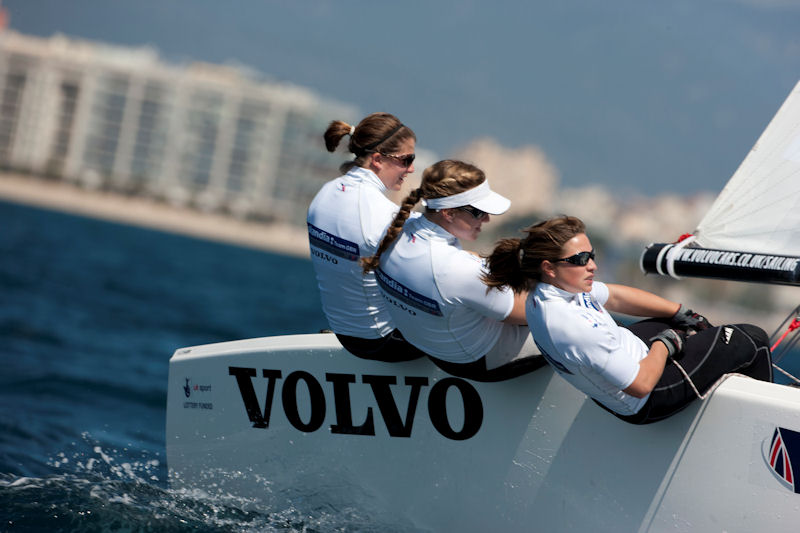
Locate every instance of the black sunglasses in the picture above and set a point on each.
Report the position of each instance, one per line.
(404, 160)
(474, 211)
(580, 259)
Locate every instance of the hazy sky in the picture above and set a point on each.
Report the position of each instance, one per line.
(640, 95)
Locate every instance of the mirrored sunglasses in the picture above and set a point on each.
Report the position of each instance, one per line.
(404, 160)
(580, 259)
(474, 211)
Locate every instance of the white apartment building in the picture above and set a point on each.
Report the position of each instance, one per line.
(209, 136)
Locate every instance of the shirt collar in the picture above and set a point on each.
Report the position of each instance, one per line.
(422, 226)
(551, 292)
(367, 176)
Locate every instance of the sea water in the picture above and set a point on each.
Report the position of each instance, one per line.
(90, 312)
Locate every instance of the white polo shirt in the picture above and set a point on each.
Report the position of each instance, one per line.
(346, 221)
(580, 339)
(436, 297)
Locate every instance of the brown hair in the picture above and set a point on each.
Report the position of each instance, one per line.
(441, 179)
(517, 263)
(378, 132)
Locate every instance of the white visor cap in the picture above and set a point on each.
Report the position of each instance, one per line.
(480, 197)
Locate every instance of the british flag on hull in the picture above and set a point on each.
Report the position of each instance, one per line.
(784, 448)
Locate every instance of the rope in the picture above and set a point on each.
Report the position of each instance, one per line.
(723, 378)
(785, 373)
(691, 383)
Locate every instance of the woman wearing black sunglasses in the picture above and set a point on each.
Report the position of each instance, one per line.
(346, 221)
(641, 374)
(434, 288)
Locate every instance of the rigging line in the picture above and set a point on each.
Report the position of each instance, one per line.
(723, 378)
(785, 373)
(713, 386)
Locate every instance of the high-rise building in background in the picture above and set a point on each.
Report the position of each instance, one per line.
(212, 137)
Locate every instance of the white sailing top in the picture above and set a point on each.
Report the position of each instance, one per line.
(346, 221)
(580, 339)
(436, 296)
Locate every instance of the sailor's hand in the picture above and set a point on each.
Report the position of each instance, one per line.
(689, 321)
(674, 340)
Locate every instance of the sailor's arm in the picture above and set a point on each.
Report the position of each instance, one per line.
(636, 302)
(517, 314)
(650, 370)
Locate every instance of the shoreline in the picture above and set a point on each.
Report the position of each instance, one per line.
(60, 196)
(275, 238)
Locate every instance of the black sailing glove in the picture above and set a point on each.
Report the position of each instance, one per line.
(674, 340)
(686, 319)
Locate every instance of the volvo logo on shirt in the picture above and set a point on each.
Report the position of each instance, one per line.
(326, 242)
(781, 456)
(399, 291)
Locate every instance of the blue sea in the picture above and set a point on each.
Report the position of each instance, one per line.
(90, 313)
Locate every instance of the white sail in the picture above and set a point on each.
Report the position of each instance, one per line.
(759, 209)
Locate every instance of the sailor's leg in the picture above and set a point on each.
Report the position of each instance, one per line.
(759, 366)
(708, 355)
(513, 355)
(392, 348)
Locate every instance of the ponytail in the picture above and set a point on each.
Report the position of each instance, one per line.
(504, 266)
(378, 132)
(518, 262)
(371, 263)
(337, 129)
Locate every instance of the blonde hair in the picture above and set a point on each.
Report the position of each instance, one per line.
(517, 263)
(378, 132)
(445, 178)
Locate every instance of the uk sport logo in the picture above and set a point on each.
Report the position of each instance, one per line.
(784, 452)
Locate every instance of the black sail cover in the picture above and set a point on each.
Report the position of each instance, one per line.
(670, 260)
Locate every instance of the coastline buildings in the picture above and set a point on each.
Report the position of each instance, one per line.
(211, 137)
(220, 139)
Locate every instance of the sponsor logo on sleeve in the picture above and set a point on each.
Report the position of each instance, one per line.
(589, 302)
(398, 294)
(329, 247)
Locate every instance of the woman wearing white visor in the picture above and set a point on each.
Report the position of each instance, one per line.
(434, 288)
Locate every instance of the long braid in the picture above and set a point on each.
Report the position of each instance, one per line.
(371, 263)
(443, 178)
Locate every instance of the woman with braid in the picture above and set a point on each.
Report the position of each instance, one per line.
(434, 288)
(641, 374)
(346, 221)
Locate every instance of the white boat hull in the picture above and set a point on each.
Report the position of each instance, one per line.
(528, 454)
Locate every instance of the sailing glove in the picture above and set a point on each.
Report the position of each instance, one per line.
(674, 340)
(686, 319)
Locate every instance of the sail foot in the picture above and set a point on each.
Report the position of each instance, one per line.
(670, 259)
